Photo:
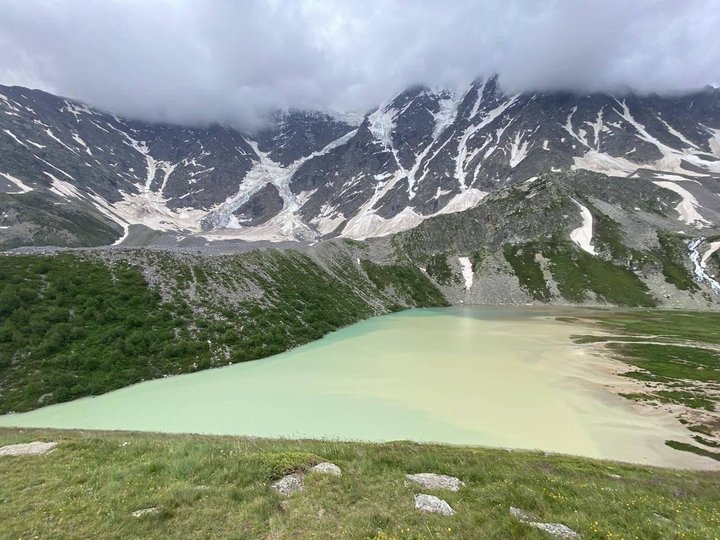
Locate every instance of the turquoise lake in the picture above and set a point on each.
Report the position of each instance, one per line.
(503, 377)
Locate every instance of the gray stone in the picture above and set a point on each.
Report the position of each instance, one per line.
(146, 511)
(326, 468)
(435, 481)
(431, 503)
(521, 515)
(292, 483)
(661, 518)
(35, 448)
(558, 530)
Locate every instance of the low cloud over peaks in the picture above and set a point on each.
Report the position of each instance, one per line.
(192, 61)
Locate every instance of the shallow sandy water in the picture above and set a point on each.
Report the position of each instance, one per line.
(506, 377)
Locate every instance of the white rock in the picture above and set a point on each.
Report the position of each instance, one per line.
(431, 503)
(435, 481)
(35, 448)
(326, 468)
(146, 511)
(292, 483)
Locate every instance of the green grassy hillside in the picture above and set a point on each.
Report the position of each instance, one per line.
(217, 487)
(576, 273)
(81, 324)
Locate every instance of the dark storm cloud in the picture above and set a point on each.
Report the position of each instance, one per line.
(223, 60)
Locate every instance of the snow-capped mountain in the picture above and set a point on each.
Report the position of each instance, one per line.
(310, 175)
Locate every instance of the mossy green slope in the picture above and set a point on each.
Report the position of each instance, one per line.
(47, 220)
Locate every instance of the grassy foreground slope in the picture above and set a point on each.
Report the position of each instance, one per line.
(84, 323)
(217, 487)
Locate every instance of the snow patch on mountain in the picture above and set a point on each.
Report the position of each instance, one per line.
(604, 163)
(368, 224)
(673, 178)
(448, 109)
(52, 135)
(518, 150)
(14, 137)
(689, 144)
(149, 209)
(63, 189)
(36, 145)
(76, 109)
(24, 188)
(467, 271)
(58, 169)
(465, 200)
(287, 224)
(462, 155)
(327, 220)
(582, 236)
(381, 124)
(82, 143)
(478, 100)
(598, 127)
(687, 208)
(712, 248)
(283, 227)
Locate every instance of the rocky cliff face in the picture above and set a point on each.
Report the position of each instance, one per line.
(569, 238)
(311, 175)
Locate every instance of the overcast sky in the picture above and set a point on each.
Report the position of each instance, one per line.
(198, 61)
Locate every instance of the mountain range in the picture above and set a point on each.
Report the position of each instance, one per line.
(72, 175)
(133, 250)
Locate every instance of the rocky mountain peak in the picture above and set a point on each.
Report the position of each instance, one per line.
(309, 174)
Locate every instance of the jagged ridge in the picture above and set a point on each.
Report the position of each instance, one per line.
(310, 175)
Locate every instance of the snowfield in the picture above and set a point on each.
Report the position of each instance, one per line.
(24, 188)
(467, 271)
(687, 208)
(448, 148)
(582, 236)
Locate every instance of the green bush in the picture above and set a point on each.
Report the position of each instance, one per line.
(278, 464)
(408, 282)
(527, 269)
